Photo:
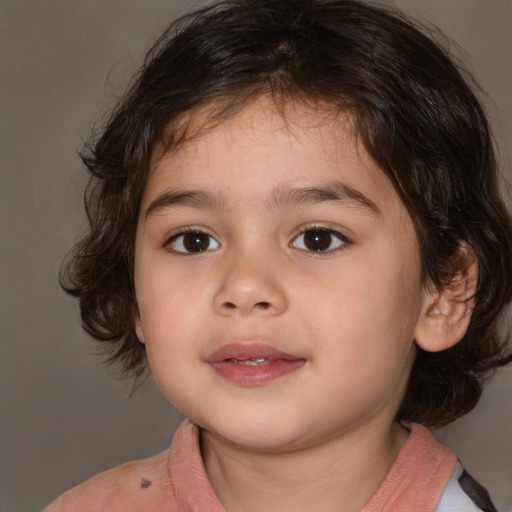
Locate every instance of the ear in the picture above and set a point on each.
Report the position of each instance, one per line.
(446, 313)
(137, 323)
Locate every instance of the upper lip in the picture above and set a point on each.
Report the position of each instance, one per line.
(244, 351)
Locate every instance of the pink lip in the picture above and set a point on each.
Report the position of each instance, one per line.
(226, 363)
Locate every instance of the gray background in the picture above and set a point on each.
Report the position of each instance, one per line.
(64, 416)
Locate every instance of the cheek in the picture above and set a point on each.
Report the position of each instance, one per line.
(366, 344)
(367, 313)
(169, 307)
(164, 288)
(170, 319)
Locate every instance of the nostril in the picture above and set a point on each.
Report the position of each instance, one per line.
(231, 306)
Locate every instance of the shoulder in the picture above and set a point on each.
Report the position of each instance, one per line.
(174, 481)
(464, 494)
(138, 485)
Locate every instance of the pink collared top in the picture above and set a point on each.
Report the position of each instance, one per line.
(176, 480)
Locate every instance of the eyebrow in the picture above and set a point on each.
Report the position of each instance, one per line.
(201, 199)
(281, 197)
(331, 192)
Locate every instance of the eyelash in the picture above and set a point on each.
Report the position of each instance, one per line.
(315, 231)
(189, 231)
(340, 237)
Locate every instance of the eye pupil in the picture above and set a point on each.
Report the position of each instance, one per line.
(317, 240)
(196, 242)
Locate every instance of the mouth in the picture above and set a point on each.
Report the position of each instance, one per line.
(253, 364)
(258, 361)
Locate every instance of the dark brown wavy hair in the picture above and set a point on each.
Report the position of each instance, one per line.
(414, 111)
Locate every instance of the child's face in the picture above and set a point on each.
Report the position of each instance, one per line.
(279, 242)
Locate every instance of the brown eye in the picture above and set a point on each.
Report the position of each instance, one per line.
(319, 240)
(193, 242)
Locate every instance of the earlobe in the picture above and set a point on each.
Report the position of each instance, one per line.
(446, 313)
(137, 323)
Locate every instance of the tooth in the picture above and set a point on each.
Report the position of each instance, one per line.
(255, 361)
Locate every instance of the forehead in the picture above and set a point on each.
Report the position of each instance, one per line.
(266, 147)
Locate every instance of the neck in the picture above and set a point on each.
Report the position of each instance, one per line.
(340, 474)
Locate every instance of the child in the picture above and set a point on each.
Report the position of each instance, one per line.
(294, 216)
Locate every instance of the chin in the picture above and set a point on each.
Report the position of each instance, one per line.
(265, 437)
(255, 443)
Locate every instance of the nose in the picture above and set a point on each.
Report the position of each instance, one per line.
(250, 286)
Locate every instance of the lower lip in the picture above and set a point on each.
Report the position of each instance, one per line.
(247, 375)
